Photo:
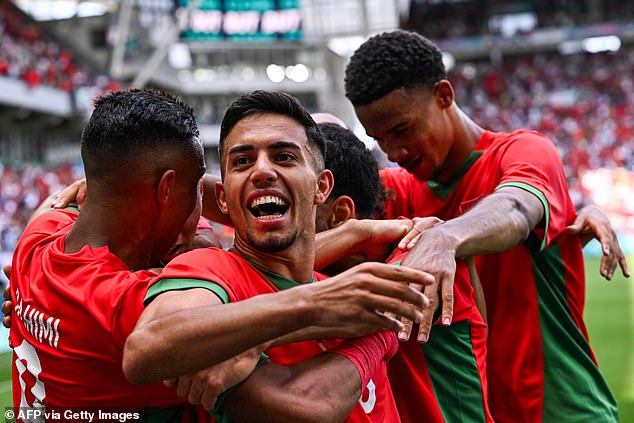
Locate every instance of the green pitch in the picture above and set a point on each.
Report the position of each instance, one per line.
(610, 320)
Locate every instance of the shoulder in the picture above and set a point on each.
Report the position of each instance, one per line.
(52, 221)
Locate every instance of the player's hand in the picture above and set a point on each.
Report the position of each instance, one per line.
(205, 386)
(363, 299)
(382, 236)
(75, 192)
(420, 225)
(592, 223)
(7, 305)
(435, 255)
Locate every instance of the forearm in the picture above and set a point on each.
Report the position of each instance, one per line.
(324, 388)
(339, 242)
(188, 340)
(496, 224)
(210, 206)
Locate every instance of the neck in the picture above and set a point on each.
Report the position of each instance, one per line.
(295, 263)
(466, 136)
(115, 228)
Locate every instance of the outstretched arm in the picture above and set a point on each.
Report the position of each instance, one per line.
(497, 223)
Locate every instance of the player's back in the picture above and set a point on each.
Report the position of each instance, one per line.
(73, 313)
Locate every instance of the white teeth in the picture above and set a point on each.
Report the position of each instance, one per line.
(266, 200)
(270, 217)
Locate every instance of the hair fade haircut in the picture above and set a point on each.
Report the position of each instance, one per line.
(279, 103)
(355, 170)
(389, 61)
(126, 124)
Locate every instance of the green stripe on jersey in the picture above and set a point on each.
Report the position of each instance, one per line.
(540, 195)
(574, 390)
(280, 282)
(454, 373)
(180, 284)
(442, 190)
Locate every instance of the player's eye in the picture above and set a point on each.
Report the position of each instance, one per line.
(241, 161)
(284, 157)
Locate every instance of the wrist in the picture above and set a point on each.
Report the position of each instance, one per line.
(367, 352)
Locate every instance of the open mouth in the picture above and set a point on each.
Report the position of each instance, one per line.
(268, 207)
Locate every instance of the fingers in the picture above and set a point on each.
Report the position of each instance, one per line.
(6, 322)
(74, 192)
(7, 307)
(184, 385)
(209, 399)
(170, 383)
(623, 264)
(7, 272)
(406, 330)
(447, 300)
(410, 238)
(424, 328)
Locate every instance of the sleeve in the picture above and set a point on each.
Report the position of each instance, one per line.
(531, 162)
(194, 269)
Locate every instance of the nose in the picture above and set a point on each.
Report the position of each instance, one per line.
(263, 171)
(395, 153)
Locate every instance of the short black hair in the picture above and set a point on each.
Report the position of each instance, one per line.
(261, 101)
(355, 170)
(392, 60)
(131, 123)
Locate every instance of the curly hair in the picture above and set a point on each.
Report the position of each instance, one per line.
(389, 61)
(355, 170)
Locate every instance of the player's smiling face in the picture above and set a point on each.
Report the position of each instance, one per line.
(271, 183)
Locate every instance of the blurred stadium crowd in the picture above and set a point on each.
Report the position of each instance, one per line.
(28, 52)
(583, 102)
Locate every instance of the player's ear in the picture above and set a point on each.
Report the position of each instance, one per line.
(341, 209)
(443, 93)
(220, 197)
(165, 186)
(325, 183)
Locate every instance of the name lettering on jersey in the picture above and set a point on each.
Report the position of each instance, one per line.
(41, 326)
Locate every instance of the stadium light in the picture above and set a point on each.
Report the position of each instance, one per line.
(298, 73)
(275, 73)
(601, 44)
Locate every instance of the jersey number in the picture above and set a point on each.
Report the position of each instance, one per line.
(28, 361)
(368, 404)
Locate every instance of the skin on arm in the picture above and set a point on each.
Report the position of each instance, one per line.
(324, 388)
(373, 239)
(497, 223)
(342, 306)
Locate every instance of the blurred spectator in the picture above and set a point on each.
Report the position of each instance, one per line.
(22, 188)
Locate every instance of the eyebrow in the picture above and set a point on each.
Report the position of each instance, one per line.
(275, 146)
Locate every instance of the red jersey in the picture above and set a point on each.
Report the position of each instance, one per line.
(72, 314)
(233, 278)
(539, 363)
(444, 380)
